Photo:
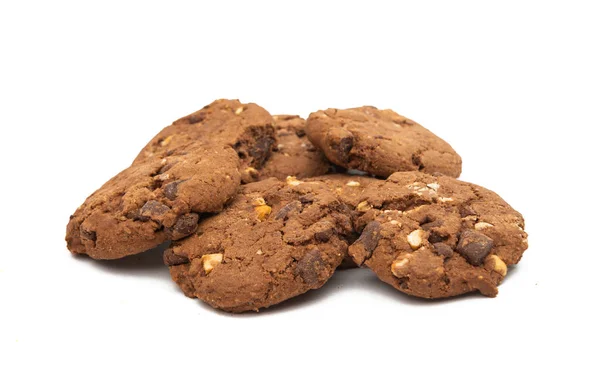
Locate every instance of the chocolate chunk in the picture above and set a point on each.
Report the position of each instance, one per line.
(436, 237)
(90, 235)
(300, 132)
(443, 249)
(282, 213)
(135, 215)
(416, 160)
(370, 236)
(153, 209)
(474, 246)
(196, 117)
(260, 150)
(184, 226)
(309, 266)
(324, 236)
(467, 210)
(344, 148)
(430, 225)
(167, 167)
(170, 258)
(307, 199)
(170, 190)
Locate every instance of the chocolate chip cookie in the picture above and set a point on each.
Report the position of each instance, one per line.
(380, 142)
(276, 240)
(154, 201)
(247, 128)
(435, 236)
(292, 154)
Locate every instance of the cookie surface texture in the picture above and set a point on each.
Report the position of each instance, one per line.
(157, 200)
(435, 236)
(276, 240)
(380, 142)
(349, 189)
(247, 128)
(292, 153)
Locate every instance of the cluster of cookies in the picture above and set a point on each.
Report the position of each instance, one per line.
(262, 208)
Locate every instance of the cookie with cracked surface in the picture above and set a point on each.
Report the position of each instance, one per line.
(276, 240)
(247, 128)
(292, 154)
(154, 201)
(435, 236)
(380, 142)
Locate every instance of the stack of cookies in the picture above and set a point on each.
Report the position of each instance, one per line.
(259, 208)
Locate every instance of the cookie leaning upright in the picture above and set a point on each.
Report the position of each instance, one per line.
(154, 201)
(380, 142)
(276, 240)
(247, 128)
(435, 236)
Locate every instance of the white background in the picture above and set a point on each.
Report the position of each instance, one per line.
(514, 87)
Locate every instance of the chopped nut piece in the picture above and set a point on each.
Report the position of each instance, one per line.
(495, 263)
(363, 206)
(259, 252)
(396, 223)
(166, 141)
(482, 225)
(239, 110)
(399, 266)
(292, 181)
(433, 186)
(209, 262)
(262, 212)
(443, 199)
(415, 238)
(259, 202)
(353, 183)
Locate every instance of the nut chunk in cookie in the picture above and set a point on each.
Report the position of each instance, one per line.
(276, 240)
(436, 237)
(157, 200)
(247, 128)
(380, 142)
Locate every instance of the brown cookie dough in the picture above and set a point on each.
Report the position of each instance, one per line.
(349, 190)
(247, 128)
(276, 240)
(380, 142)
(435, 236)
(292, 154)
(156, 200)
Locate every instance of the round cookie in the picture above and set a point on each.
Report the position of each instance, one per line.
(436, 237)
(380, 142)
(154, 201)
(292, 154)
(247, 128)
(276, 240)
